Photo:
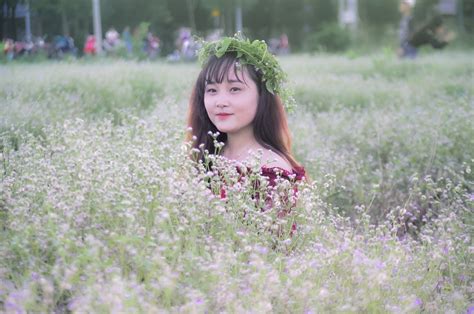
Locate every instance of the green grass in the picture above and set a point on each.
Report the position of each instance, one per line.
(102, 211)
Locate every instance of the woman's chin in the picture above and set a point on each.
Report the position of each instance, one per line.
(224, 130)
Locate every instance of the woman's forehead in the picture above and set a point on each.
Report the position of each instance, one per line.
(239, 74)
(226, 71)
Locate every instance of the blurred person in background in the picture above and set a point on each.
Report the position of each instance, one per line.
(112, 41)
(9, 48)
(89, 46)
(433, 33)
(215, 35)
(186, 46)
(151, 45)
(62, 45)
(127, 39)
(279, 46)
(405, 29)
(284, 45)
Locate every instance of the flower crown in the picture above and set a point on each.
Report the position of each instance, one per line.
(255, 53)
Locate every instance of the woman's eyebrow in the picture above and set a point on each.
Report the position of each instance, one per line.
(235, 81)
(229, 81)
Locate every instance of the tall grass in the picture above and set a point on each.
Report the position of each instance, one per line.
(102, 211)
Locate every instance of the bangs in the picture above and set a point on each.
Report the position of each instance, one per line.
(218, 69)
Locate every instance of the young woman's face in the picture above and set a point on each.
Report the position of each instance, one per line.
(232, 104)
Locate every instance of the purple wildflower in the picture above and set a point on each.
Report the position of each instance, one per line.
(199, 301)
(418, 302)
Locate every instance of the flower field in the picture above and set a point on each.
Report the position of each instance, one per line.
(101, 210)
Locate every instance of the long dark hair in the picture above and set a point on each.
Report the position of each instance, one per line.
(270, 126)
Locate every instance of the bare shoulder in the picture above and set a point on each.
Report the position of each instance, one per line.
(272, 159)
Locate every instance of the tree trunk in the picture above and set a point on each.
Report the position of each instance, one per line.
(2, 34)
(28, 35)
(13, 21)
(191, 4)
(39, 25)
(228, 18)
(86, 26)
(65, 23)
(273, 20)
(78, 34)
(97, 25)
(238, 16)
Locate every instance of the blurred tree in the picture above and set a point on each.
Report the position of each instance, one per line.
(195, 14)
(9, 10)
(424, 9)
(332, 38)
(298, 18)
(121, 13)
(264, 19)
(319, 14)
(379, 13)
(259, 20)
(322, 12)
(378, 24)
(45, 10)
(2, 19)
(52, 17)
(191, 6)
(466, 16)
(228, 12)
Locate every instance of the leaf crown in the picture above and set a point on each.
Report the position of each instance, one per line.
(254, 53)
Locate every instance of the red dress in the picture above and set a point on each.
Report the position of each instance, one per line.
(275, 175)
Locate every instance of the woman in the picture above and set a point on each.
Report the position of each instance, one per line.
(238, 94)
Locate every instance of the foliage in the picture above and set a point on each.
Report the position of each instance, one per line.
(331, 38)
(139, 35)
(379, 13)
(61, 17)
(106, 213)
(263, 19)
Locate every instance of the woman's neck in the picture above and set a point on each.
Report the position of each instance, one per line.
(240, 146)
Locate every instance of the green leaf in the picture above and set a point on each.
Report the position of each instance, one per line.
(269, 87)
(223, 47)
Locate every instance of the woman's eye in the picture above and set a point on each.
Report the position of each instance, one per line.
(210, 90)
(235, 89)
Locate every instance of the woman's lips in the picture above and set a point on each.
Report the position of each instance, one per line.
(223, 116)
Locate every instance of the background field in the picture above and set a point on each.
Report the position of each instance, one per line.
(101, 210)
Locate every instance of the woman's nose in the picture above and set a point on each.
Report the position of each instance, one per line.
(222, 101)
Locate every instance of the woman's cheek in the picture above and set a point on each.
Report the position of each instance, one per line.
(207, 107)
